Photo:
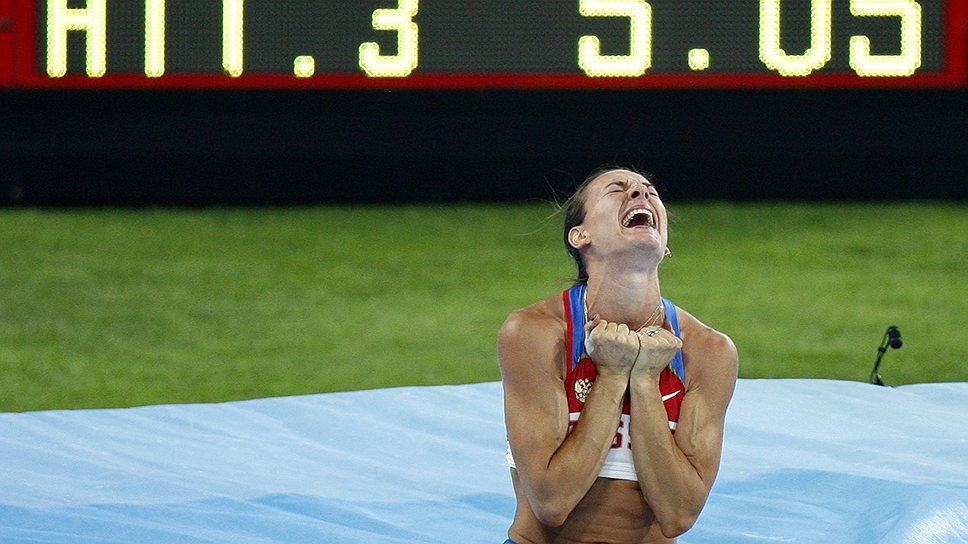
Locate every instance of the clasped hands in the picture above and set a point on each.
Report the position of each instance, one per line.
(617, 349)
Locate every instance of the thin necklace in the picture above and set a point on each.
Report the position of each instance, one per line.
(655, 313)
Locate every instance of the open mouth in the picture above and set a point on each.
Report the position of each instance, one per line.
(639, 217)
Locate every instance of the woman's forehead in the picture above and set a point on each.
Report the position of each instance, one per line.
(619, 176)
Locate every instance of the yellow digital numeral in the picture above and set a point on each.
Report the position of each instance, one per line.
(773, 55)
(904, 64)
(232, 36)
(698, 59)
(399, 20)
(92, 20)
(639, 59)
(154, 38)
(304, 66)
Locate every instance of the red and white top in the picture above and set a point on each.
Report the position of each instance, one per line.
(581, 374)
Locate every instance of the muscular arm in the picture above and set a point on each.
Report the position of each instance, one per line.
(555, 469)
(676, 472)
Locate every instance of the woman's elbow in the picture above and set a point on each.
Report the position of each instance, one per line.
(550, 513)
(552, 520)
(676, 526)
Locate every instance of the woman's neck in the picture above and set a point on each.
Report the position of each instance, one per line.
(630, 298)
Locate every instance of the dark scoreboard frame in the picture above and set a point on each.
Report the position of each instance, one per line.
(20, 68)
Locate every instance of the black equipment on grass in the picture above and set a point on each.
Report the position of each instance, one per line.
(892, 338)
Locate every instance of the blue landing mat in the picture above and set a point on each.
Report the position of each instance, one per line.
(809, 461)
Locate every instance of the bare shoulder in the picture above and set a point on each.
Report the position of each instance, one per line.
(536, 333)
(710, 356)
(538, 316)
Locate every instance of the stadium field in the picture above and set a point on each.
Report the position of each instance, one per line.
(123, 307)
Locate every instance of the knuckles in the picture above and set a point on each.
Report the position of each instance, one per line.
(605, 335)
(613, 333)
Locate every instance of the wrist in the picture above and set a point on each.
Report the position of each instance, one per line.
(644, 378)
(610, 378)
(638, 351)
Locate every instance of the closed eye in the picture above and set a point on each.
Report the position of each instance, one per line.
(616, 186)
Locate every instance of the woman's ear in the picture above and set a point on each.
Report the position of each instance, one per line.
(577, 237)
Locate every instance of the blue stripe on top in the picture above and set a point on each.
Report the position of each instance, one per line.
(677, 364)
(576, 300)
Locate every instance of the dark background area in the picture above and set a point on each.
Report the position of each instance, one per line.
(297, 147)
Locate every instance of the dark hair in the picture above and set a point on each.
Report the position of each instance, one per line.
(574, 209)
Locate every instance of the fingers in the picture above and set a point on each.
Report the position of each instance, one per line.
(591, 323)
(603, 330)
(600, 328)
(610, 343)
(659, 346)
(659, 337)
(613, 331)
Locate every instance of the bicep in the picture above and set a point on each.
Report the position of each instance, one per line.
(702, 418)
(535, 408)
(699, 435)
(535, 430)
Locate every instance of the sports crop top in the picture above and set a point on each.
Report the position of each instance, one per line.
(581, 374)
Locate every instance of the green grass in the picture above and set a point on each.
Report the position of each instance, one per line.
(103, 308)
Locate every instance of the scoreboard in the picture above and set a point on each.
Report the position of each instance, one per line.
(480, 44)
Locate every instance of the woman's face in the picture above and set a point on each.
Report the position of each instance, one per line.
(622, 210)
